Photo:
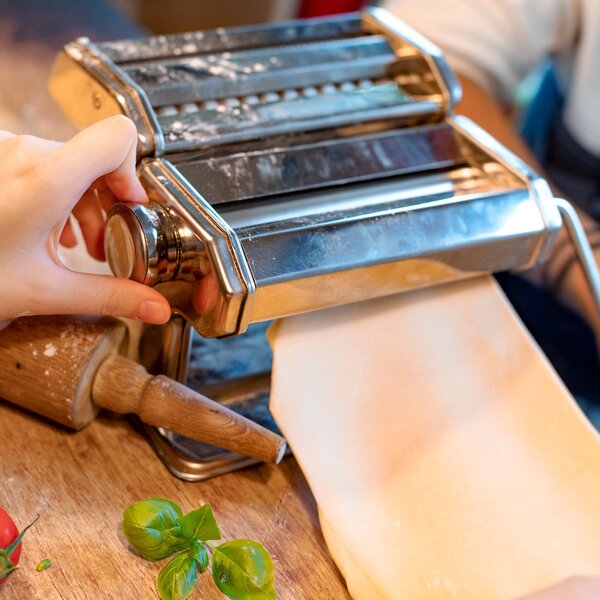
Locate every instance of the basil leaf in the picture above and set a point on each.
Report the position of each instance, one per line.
(175, 540)
(200, 524)
(243, 570)
(199, 552)
(177, 580)
(144, 522)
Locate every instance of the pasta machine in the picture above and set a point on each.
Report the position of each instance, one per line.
(293, 167)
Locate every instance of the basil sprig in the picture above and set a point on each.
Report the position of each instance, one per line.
(157, 528)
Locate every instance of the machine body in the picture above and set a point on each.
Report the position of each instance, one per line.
(293, 167)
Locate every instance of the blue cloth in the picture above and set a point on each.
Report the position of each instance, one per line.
(541, 114)
(573, 169)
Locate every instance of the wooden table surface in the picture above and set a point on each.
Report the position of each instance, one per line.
(79, 483)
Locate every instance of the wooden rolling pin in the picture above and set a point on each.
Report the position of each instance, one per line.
(66, 368)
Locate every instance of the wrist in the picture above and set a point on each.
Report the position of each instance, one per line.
(558, 270)
(571, 287)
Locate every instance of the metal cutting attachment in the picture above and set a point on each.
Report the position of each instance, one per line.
(293, 167)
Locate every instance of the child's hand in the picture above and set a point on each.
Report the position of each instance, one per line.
(41, 184)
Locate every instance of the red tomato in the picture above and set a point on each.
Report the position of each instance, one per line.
(8, 533)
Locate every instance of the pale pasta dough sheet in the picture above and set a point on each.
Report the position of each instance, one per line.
(446, 457)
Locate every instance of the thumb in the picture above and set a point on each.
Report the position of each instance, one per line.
(86, 294)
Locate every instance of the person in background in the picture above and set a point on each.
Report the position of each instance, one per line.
(43, 183)
(493, 45)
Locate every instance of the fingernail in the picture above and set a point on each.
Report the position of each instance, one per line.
(151, 311)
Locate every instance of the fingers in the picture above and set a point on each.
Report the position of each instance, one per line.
(105, 196)
(91, 220)
(67, 237)
(107, 148)
(81, 293)
(88, 212)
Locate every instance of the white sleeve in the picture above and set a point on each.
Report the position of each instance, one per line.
(494, 42)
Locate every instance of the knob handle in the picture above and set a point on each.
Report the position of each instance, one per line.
(141, 242)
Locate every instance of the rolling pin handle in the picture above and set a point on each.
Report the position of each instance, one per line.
(125, 387)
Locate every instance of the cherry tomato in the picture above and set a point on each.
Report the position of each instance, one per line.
(8, 533)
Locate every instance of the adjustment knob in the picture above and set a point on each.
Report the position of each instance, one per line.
(141, 242)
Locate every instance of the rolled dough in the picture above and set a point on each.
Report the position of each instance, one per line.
(446, 457)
